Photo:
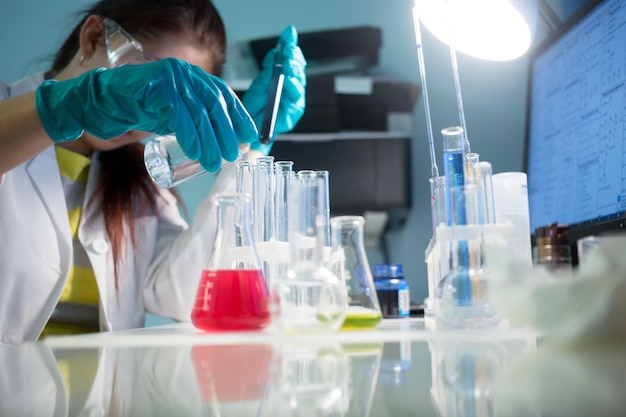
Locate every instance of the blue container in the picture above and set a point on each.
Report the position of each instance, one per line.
(392, 290)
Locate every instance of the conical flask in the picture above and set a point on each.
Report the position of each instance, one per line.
(348, 261)
(232, 294)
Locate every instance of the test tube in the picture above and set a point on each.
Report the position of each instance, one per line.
(437, 201)
(483, 174)
(283, 173)
(264, 186)
(305, 194)
(325, 201)
(454, 169)
(244, 178)
(471, 160)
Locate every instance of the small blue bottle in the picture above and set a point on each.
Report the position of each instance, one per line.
(392, 290)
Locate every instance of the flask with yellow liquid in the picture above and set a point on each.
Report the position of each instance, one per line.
(348, 261)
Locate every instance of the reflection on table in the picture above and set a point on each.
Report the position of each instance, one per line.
(401, 369)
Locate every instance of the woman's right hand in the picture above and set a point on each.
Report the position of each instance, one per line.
(168, 96)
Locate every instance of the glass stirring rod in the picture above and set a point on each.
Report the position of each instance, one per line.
(266, 134)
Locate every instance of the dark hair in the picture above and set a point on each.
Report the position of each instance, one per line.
(124, 189)
(152, 19)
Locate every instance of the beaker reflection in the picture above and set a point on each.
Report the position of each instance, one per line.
(311, 380)
(465, 373)
(232, 379)
(364, 365)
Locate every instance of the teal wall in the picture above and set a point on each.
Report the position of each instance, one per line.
(493, 92)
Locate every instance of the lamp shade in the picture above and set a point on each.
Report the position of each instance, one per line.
(496, 30)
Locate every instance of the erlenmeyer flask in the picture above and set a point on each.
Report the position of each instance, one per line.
(348, 261)
(232, 294)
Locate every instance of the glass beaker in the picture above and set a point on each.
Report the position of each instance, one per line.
(309, 297)
(232, 294)
(168, 166)
(348, 261)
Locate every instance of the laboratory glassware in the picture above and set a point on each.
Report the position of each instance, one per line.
(454, 166)
(463, 293)
(308, 297)
(283, 172)
(263, 194)
(438, 201)
(434, 170)
(325, 177)
(278, 256)
(392, 290)
(263, 198)
(483, 177)
(168, 166)
(232, 293)
(348, 261)
(244, 178)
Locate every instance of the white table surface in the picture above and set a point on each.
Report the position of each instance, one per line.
(399, 369)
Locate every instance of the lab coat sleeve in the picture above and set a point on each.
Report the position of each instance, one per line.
(174, 274)
(30, 382)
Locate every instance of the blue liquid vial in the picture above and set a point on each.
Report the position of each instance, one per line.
(455, 171)
(392, 290)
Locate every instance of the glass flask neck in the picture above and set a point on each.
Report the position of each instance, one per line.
(233, 247)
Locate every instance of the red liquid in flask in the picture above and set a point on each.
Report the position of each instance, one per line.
(231, 300)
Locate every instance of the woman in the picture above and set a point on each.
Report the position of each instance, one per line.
(85, 233)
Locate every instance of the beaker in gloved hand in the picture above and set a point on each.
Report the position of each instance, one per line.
(348, 261)
(232, 294)
(168, 166)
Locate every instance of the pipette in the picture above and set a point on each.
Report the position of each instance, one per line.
(435, 193)
(455, 73)
(429, 127)
(273, 100)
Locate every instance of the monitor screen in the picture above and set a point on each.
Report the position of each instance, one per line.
(576, 124)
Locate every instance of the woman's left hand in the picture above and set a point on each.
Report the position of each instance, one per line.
(292, 101)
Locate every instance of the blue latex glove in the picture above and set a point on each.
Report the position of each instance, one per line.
(292, 101)
(168, 96)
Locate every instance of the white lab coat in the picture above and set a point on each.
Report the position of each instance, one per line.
(159, 276)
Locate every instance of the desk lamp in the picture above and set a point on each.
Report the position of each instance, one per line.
(496, 30)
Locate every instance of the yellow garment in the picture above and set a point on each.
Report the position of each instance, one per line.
(81, 285)
(78, 370)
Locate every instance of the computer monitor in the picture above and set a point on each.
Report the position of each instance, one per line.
(576, 124)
